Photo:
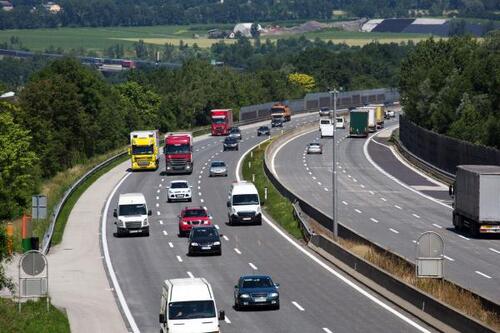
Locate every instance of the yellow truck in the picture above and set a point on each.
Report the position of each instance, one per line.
(379, 114)
(144, 149)
(282, 111)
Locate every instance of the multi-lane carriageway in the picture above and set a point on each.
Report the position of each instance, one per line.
(387, 204)
(315, 297)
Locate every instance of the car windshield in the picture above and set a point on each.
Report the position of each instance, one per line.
(191, 310)
(142, 150)
(230, 140)
(179, 185)
(325, 122)
(314, 145)
(245, 199)
(135, 209)
(218, 164)
(210, 233)
(324, 109)
(218, 120)
(178, 149)
(276, 110)
(260, 282)
(195, 213)
(340, 120)
(235, 130)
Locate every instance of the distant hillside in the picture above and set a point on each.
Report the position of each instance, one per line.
(37, 14)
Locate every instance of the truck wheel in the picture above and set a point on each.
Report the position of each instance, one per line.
(474, 229)
(190, 199)
(146, 233)
(458, 222)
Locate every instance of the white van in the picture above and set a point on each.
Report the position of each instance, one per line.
(340, 122)
(188, 305)
(326, 127)
(132, 214)
(243, 204)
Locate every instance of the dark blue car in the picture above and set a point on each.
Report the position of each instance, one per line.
(256, 291)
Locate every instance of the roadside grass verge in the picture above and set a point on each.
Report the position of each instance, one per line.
(443, 290)
(33, 318)
(277, 206)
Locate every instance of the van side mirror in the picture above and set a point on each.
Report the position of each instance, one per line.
(277, 285)
(150, 212)
(451, 190)
(115, 214)
(162, 318)
(228, 203)
(222, 315)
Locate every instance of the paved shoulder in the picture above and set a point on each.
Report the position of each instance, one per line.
(77, 280)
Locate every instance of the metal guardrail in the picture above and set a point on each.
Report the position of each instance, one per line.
(47, 237)
(307, 231)
(426, 303)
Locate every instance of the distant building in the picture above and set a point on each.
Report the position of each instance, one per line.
(6, 5)
(52, 7)
(245, 29)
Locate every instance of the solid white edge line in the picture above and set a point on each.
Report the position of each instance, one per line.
(273, 169)
(327, 330)
(496, 251)
(109, 265)
(226, 319)
(297, 305)
(368, 157)
(329, 269)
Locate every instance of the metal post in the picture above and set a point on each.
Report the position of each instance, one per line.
(334, 168)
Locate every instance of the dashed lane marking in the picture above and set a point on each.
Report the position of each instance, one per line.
(437, 226)
(398, 207)
(496, 251)
(327, 330)
(297, 305)
(190, 275)
(383, 199)
(358, 211)
(373, 220)
(170, 244)
(237, 251)
(415, 215)
(179, 258)
(225, 237)
(345, 203)
(394, 231)
(252, 265)
(463, 237)
(165, 233)
(482, 274)
(448, 258)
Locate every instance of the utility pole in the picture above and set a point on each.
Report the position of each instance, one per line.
(334, 92)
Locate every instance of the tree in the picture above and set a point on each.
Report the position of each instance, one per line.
(254, 30)
(141, 105)
(18, 164)
(306, 82)
(5, 282)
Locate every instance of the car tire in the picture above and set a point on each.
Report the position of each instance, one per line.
(190, 199)
(146, 233)
(168, 200)
(237, 307)
(219, 253)
(276, 307)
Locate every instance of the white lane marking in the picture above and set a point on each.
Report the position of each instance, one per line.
(163, 179)
(345, 203)
(199, 181)
(252, 265)
(199, 187)
(226, 319)
(324, 265)
(463, 237)
(343, 171)
(313, 177)
(170, 244)
(201, 172)
(237, 251)
(398, 207)
(415, 215)
(355, 180)
(362, 186)
(158, 191)
(161, 222)
(217, 227)
(372, 193)
(373, 220)
(349, 176)
(327, 330)
(202, 201)
(383, 199)
(307, 169)
(199, 176)
(199, 193)
(157, 205)
(112, 274)
(157, 198)
(368, 157)
(496, 251)
(206, 163)
(165, 232)
(326, 189)
(358, 211)
(437, 226)
(482, 274)
(159, 185)
(394, 231)
(319, 183)
(448, 258)
(310, 173)
(297, 305)
(179, 258)
(190, 275)
(226, 238)
(158, 213)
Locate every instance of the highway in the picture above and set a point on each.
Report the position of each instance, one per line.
(314, 296)
(378, 207)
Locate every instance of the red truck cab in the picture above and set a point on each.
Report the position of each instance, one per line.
(192, 216)
(178, 152)
(222, 121)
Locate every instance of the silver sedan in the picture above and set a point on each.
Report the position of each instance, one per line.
(315, 148)
(218, 168)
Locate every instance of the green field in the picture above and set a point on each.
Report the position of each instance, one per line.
(98, 39)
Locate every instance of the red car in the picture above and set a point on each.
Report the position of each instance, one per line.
(193, 216)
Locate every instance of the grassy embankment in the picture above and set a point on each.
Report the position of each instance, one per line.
(281, 210)
(33, 318)
(277, 206)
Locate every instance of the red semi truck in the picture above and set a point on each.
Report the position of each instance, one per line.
(178, 152)
(222, 121)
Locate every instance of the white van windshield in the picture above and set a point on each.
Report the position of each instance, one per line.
(136, 209)
(245, 199)
(191, 310)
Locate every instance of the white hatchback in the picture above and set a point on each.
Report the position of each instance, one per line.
(179, 190)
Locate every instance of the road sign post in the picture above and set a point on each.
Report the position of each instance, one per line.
(39, 207)
(33, 276)
(430, 253)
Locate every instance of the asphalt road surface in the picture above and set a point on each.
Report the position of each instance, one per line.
(314, 297)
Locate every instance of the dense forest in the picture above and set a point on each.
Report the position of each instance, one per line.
(453, 87)
(93, 13)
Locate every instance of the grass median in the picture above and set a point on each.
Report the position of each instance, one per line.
(276, 206)
(33, 318)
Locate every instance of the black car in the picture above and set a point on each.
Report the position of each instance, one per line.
(256, 291)
(204, 240)
(263, 130)
(277, 122)
(235, 132)
(230, 143)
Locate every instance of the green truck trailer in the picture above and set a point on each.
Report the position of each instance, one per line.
(358, 126)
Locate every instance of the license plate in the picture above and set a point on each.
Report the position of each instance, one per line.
(206, 247)
(179, 196)
(134, 231)
(260, 299)
(247, 218)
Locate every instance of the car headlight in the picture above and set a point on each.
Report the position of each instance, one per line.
(216, 243)
(121, 223)
(273, 295)
(145, 222)
(244, 296)
(188, 166)
(194, 244)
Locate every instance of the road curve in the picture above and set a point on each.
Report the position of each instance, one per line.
(313, 298)
(390, 204)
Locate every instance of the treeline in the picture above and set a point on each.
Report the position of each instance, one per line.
(93, 13)
(67, 113)
(453, 87)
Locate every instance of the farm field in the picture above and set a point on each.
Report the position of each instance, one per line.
(99, 39)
